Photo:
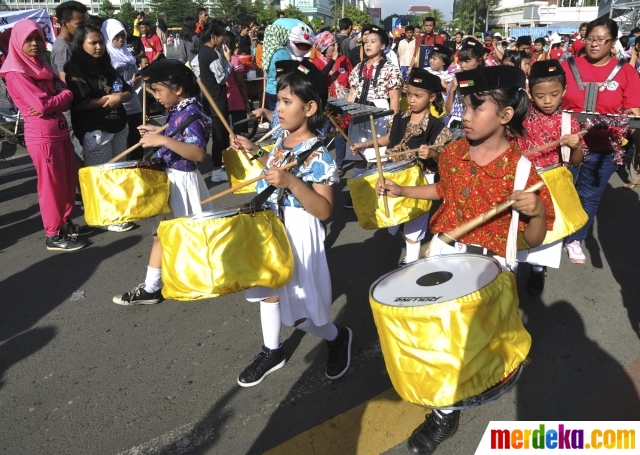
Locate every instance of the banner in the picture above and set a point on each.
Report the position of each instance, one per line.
(424, 55)
(521, 437)
(40, 16)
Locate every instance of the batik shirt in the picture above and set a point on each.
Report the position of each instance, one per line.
(196, 133)
(319, 168)
(389, 79)
(543, 129)
(468, 190)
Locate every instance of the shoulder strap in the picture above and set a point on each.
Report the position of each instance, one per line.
(433, 130)
(614, 72)
(522, 175)
(259, 200)
(576, 74)
(565, 128)
(183, 126)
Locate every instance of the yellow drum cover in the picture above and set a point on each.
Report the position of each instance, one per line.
(570, 216)
(370, 210)
(240, 169)
(122, 192)
(438, 354)
(213, 254)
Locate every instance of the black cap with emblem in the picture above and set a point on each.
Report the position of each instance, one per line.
(546, 68)
(490, 78)
(424, 79)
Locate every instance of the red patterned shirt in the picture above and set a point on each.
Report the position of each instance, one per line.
(543, 129)
(468, 189)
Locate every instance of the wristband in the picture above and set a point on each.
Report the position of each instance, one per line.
(258, 154)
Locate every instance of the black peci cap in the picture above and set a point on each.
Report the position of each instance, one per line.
(523, 41)
(165, 70)
(285, 67)
(443, 50)
(310, 72)
(424, 79)
(546, 68)
(490, 78)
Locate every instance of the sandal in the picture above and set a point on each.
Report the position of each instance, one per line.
(630, 186)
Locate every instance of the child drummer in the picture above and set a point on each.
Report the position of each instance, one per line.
(547, 84)
(477, 173)
(414, 129)
(374, 80)
(182, 147)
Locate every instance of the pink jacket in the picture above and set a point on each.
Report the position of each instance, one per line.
(43, 98)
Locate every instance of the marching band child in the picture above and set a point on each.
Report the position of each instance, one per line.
(477, 173)
(304, 198)
(412, 129)
(470, 58)
(182, 146)
(374, 80)
(547, 84)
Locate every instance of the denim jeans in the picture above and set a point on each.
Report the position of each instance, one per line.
(591, 179)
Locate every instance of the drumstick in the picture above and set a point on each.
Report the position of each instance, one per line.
(144, 103)
(346, 137)
(413, 150)
(242, 185)
(267, 134)
(247, 120)
(481, 219)
(215, 107)
(533, 151)
(133, 147)
(379, 163)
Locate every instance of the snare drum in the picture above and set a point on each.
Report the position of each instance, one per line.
(370, 209)
(449, 328)
(240, 169)
(570, 216)
(219, 252)
(115, 193)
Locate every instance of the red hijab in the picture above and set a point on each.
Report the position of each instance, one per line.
(19, 62)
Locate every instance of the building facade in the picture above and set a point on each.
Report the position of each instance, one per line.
(547, 13)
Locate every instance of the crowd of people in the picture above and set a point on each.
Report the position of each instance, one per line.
(485, 116)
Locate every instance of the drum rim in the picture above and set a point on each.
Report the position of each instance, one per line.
(392, 167)
(223, 212)
(120, 165)
(491, 394)
(427, 259)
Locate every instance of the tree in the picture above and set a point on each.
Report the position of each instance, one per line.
(358, 17)
(436, 14)
(174, 11)
(295, 13)
(126, 15)
(107, 10)
(466, 16)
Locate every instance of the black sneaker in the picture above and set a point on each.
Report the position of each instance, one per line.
(138, 296)
(348, 204)
(78, 199)
(268, 361)
(535, 284)
(436, 428)
(64, 243)
(75, 230)
(339, 354)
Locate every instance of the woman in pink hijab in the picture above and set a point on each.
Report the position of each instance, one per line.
(41, 98)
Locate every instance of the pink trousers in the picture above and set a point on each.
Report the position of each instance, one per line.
(57, 176)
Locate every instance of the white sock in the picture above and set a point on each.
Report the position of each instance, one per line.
(443, 411)
(270, 319)
(537, 268)
(328, 332)
(413, 251)
(359, 170)
(153, 281)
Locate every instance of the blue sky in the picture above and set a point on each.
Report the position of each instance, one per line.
(390, 7)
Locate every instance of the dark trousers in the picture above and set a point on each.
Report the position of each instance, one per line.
(271, 101)
(134, 121)
(220, 141)
(236, 116)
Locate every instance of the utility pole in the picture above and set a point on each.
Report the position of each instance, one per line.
(342, 9)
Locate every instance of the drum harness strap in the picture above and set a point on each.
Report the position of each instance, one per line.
(592, 88)
(258, 201)
(183, 126)
(367, 82)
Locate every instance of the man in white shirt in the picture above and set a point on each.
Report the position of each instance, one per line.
(406, 50)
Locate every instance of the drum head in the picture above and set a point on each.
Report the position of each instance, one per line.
(389, 168)
(435, 279)
(119, 164)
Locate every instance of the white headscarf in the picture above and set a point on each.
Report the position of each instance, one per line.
(120, 57)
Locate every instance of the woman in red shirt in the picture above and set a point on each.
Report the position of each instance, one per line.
(615, 94)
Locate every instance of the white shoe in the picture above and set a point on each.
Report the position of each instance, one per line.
(264, 125)
(122, 227)
(575, 252)
(219, 175)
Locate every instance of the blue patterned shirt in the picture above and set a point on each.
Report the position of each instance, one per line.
(196, 133)
(319, 168)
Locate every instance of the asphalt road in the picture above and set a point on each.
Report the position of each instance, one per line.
(91, 377)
